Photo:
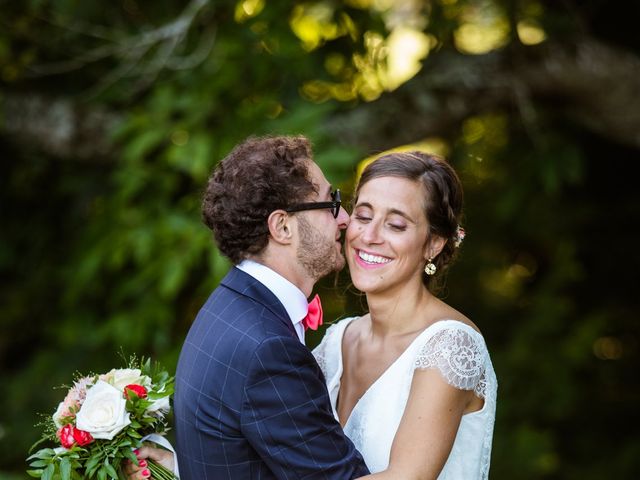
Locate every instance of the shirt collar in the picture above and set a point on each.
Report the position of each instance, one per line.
(291, 297)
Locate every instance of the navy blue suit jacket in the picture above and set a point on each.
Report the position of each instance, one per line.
(250, 400)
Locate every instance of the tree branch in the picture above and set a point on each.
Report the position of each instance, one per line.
(159, 44)
(596, 85)
(58, 127)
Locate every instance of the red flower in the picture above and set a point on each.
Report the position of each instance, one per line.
(65, 434)
(139, 390)
(81, 437)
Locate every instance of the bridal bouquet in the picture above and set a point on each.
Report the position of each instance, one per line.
(100, 422)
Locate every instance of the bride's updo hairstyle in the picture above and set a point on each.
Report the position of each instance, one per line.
(443, 196)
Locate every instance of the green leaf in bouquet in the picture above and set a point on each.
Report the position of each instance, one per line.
(110, 470)
(154, 395)
(35, 473)
(48, 472)
(92, 465)
(43, 453)
(161, 378)
(65, 469)
(102, 474)
(39, 463)
(149, 421)
(128, 453)
(145, 366)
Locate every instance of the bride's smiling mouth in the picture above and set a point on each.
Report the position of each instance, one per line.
(370, 260)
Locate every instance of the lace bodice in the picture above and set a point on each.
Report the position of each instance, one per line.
(459, 353)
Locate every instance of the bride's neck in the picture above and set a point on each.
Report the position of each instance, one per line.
(393, 314)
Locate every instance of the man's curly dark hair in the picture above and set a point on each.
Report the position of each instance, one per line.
(260, 175)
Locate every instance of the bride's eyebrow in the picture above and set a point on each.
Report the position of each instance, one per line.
(395, 211)
(391, 211)
(363, 204)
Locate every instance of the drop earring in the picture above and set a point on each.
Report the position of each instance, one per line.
(430, 268)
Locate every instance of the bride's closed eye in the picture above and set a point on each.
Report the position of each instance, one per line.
(397, 227)
(362, 214)
(362, 218)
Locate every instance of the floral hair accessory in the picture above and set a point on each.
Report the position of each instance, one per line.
(460, 234)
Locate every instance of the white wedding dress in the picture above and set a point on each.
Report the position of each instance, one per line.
(461, 356)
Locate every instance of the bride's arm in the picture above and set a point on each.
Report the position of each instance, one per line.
(427, 430)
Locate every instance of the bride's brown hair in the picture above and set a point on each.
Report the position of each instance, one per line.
(443, 195)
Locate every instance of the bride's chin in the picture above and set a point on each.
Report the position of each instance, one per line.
(361, 283)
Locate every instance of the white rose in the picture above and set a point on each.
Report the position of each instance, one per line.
(121, 377)
(103, 413)
(160, 406)
(57, 417)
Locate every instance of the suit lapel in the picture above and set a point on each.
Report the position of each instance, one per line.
(246, 285)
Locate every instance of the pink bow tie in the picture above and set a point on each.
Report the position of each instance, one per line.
(314, 315)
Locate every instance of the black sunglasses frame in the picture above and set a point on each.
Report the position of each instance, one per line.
(333, 205)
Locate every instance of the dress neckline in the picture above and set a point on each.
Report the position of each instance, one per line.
(391, 366)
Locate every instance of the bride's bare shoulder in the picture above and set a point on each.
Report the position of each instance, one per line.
(355, 329)
(447, 312)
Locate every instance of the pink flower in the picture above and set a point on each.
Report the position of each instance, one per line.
(81, 437)
(65, 434)
(79, 390)
(139, 390)
(68, 408)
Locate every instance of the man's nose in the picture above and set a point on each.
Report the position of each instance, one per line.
(343, 218)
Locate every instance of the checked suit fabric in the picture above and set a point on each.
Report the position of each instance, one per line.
(250, 400)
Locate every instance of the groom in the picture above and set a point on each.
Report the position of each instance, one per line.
(250, 400)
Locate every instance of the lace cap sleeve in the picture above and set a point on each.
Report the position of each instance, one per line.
(460, 355)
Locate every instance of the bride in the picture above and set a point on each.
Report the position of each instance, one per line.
(411, 382)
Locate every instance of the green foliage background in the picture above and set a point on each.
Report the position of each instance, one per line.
(105, 250)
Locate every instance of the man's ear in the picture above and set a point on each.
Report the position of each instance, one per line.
(434, 247)
(280, 227)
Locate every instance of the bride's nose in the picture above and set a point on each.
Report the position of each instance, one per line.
(371, 233)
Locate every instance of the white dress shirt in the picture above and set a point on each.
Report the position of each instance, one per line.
(293, 299)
